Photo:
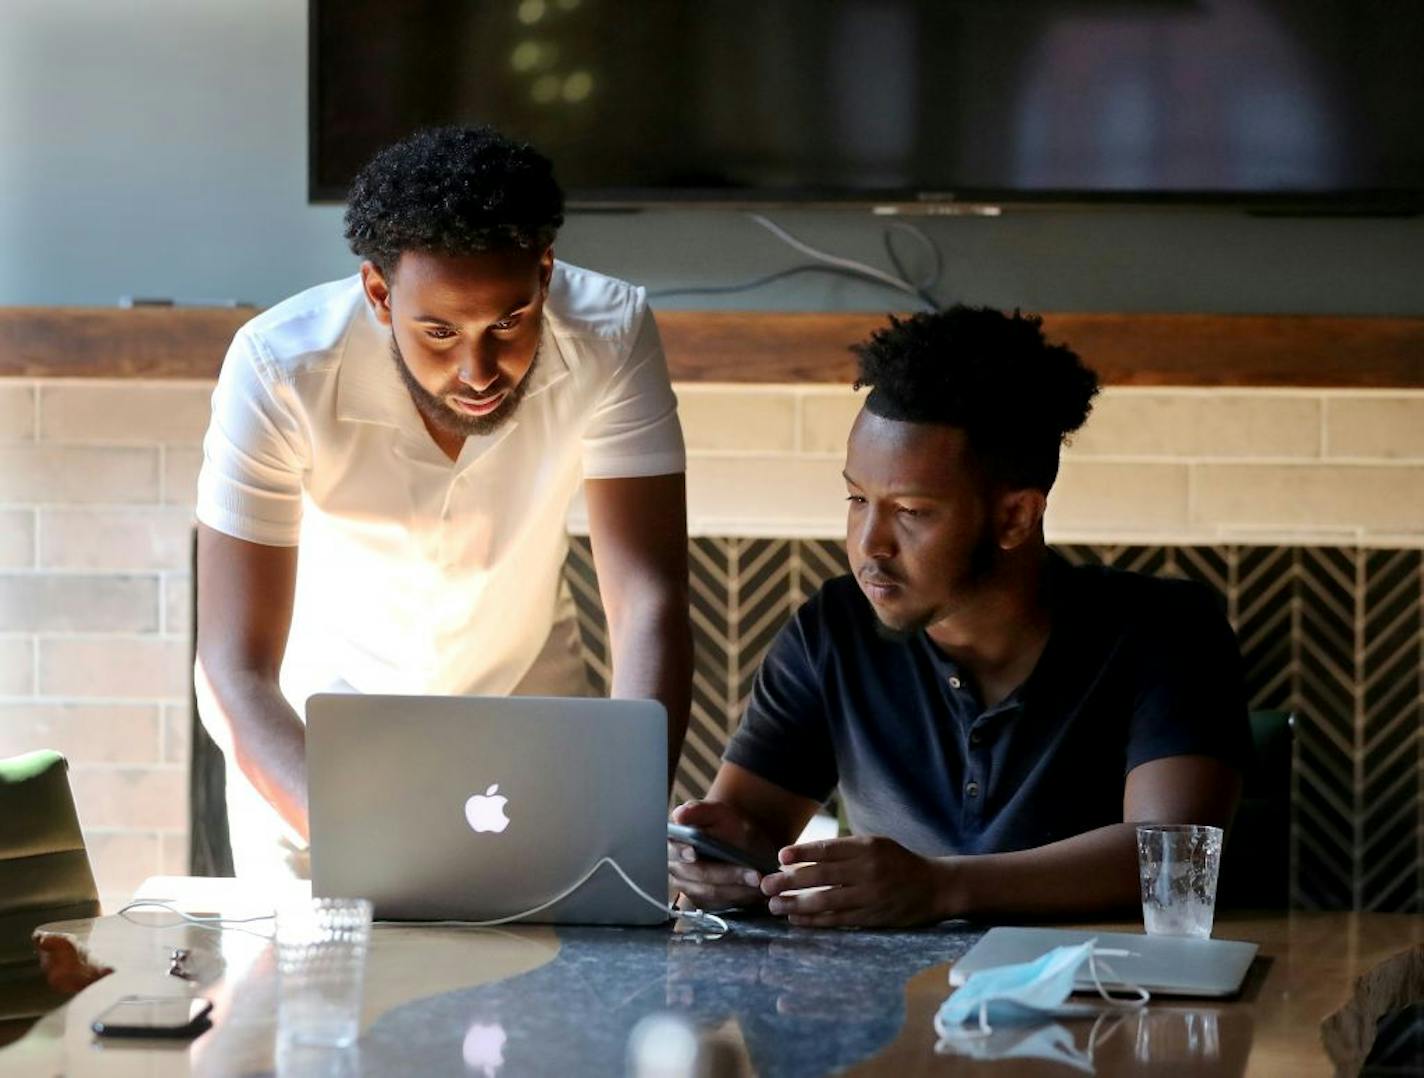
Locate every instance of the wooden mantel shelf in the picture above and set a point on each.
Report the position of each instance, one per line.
(736, 346)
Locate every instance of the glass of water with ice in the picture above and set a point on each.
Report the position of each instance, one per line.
(1177, 864)
(321, 966)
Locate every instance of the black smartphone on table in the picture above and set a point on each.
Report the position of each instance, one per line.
(718, 850)
(178, 1017)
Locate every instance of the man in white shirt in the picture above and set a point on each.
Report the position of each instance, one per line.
(418, 432)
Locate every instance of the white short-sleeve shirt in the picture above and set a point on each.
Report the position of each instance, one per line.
(417, 574)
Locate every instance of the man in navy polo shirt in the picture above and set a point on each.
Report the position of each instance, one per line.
(996, 721)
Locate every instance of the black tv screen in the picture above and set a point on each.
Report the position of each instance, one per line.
(1277, 102)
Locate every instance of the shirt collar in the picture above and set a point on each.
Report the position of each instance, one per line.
(368, 386)
(552, 366)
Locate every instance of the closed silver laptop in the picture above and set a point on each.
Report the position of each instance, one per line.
(1164, 965)
(477, 808)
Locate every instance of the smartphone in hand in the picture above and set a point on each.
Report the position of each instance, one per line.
(717, 850)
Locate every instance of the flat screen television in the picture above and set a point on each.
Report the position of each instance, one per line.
(1271, 103)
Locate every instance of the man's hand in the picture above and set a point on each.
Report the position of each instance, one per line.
(865, 881)
(709, 884)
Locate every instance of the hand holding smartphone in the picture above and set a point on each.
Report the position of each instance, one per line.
(717, 850)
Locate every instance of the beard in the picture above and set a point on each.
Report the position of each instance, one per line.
(441, 415)
(981, 564)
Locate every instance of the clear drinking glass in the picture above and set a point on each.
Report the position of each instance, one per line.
(1177, 864)
(321, 966)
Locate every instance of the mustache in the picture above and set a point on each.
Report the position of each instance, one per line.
(879, 576)
(465, 393)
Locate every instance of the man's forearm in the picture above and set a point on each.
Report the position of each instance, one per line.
(268, 743)
(1086, 874)
(652, 660)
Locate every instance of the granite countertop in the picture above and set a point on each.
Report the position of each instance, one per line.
(804, 1001)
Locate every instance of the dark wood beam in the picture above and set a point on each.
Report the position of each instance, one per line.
(765, 347)
(111, 342)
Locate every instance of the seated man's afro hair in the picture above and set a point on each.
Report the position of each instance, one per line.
(1016, 396)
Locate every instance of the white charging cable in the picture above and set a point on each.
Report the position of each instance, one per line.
(710, 920)
(215, 924)
(717, 924)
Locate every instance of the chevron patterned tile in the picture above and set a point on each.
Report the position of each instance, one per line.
(1107, 555)
(593, 628)
(1327, 706)
(1393, 713)
(1078, 555)
(764, 602)
(813, 562)
(715, 711)
(1151, 560)
(1262, 600)
(1213, 566)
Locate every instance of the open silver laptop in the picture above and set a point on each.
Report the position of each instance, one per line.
(1164, 965)
(475, 808)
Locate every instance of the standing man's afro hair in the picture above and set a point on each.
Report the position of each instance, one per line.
(456, 191)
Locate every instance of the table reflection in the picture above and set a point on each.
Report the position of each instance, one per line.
(1172, 1036)
(312, 1061)
(1178, 1037)
(1050, 1042)
(483, 1048)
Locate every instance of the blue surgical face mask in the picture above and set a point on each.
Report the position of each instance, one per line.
(1027, 992)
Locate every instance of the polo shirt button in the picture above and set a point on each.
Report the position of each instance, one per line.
(954, 683)
(972, 790)
(975, 737)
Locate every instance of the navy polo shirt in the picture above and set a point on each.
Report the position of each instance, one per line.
(1136, 668)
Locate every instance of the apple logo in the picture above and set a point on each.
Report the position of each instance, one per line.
(485, 811)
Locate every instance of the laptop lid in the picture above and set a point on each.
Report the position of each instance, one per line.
(1164, 965)
(476, 808)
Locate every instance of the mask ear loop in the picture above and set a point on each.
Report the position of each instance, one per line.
(1115, 1001)
(960, 1033)
(1118, 1017)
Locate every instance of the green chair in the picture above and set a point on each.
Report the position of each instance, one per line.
(1255, 866)
(44, 876)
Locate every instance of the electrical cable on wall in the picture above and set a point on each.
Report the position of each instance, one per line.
(828, 263)
(931, 280)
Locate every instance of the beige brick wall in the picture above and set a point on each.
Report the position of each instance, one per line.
(95, 526)
(1151, 465)
(96, 490)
